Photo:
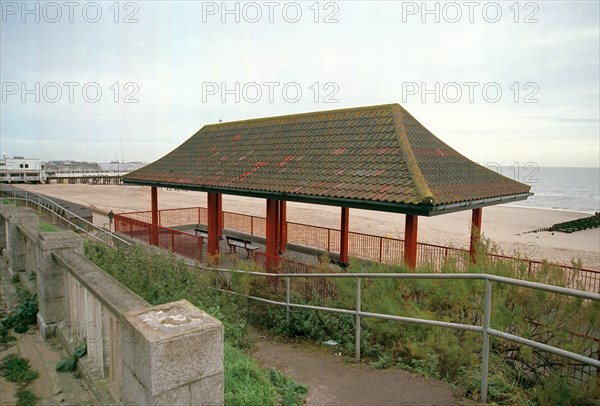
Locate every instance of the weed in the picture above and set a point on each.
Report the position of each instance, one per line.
(290, 392)
(17, 369)
(69, 364)
(5, 336)
(26, 397)
(24, 314)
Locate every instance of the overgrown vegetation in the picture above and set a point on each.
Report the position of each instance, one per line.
(25, 397)
(162, 278)
(518, 374)
(22, 316)
(17, 369)
(69, 364)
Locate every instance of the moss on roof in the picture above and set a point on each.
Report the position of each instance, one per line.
(377, 155)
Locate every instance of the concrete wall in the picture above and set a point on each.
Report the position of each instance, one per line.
(170, 354)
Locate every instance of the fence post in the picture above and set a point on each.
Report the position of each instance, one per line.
(357, 334)
(380, 248)
(251, 225)
(486, 340)
(287, 300)
(328, 238)
(172, 241)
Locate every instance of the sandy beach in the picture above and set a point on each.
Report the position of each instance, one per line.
(504, 225)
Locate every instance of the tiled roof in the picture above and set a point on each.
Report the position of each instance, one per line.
(377, 154)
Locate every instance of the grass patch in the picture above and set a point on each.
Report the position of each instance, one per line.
(49, 228)
(17, 369)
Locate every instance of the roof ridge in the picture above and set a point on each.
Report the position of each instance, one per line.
(312, 113)
(419, 180)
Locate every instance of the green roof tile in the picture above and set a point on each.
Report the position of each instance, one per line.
(368, 154)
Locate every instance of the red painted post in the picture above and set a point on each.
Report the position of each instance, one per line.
(344, 235)
(282, 226)
(410, 240)
(213, 223)
(221, 215)
(475, 233)
(272, 226)
(154, 208)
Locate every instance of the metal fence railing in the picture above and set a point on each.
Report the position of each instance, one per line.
(378, 248)
(47, 206)
(483, 328)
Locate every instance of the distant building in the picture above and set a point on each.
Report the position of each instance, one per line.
(19, 169)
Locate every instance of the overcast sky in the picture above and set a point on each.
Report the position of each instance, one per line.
(497, 81)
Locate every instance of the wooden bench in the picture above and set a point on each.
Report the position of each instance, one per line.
(235, 243)
(203, 234)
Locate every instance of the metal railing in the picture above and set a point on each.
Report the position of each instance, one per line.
(383, 249)
(484, 328)
(80, 225)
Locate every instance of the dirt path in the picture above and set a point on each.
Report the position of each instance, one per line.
(334, 382)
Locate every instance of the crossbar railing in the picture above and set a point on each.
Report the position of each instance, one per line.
(484, 328)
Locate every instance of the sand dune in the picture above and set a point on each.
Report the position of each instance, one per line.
(504, 225)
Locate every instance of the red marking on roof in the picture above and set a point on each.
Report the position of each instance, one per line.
(382, 192)
(340, 171)
(379, 172)
(382, 151)
(224, 157)
(440, 152)
(338, 151)
(216, 153)
(260, 164)
(237, 138)
(242, 158)
(286, 160)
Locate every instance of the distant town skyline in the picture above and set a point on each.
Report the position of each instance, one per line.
(501, 82)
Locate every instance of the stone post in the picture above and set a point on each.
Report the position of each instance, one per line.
(15, 240)
(51, 278)
(5, 210)
(172, 355)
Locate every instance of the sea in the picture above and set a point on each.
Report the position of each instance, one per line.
(572, 189)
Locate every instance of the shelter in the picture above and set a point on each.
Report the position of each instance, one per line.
(377, 158)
